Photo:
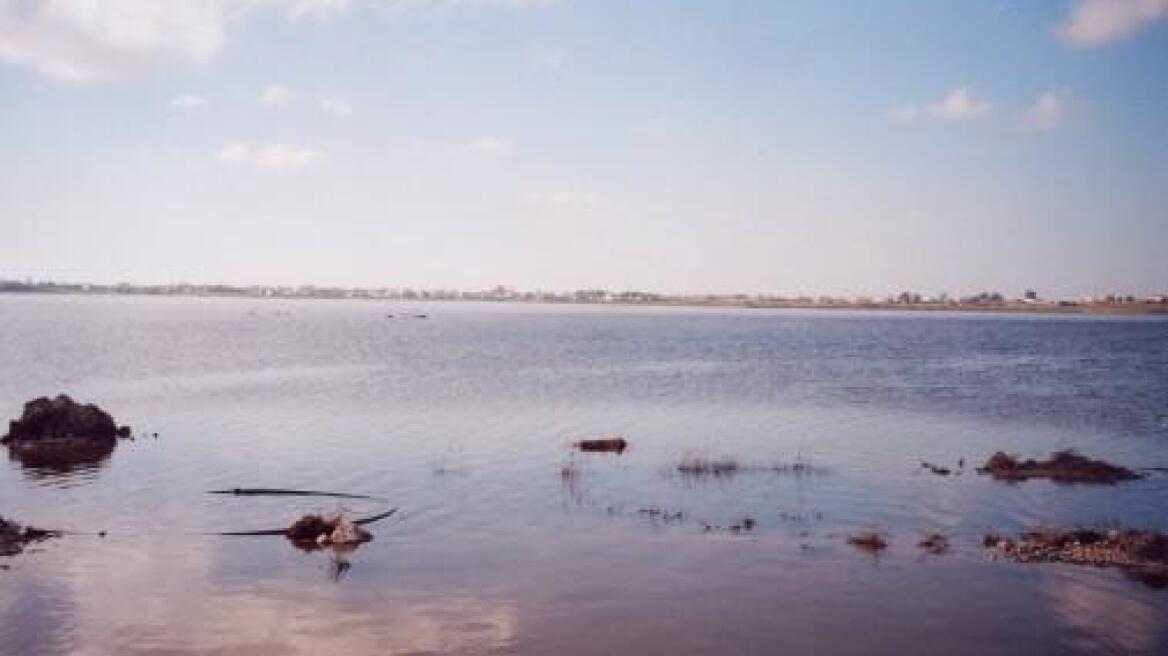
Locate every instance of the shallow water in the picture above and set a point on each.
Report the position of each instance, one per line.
(463, 420)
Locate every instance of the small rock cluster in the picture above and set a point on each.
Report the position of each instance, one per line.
(1141, 554)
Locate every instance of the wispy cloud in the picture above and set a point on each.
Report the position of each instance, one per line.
(1049, 110)
(101, 40)
(491, 145)
(959, 104)
(188, 102)
(338, 106)
(271, 157)
(1093, 23)
(97, 40)
(278, 95)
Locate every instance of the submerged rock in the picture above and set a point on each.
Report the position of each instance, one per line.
(1062, 467)
(14, 538)
(1141, 555)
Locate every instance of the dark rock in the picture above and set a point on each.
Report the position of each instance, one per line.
(869, 541)
(1062, 467)
(62, 420)
(604, 445)
(14, 538)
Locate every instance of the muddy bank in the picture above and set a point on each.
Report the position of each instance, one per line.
(1141, 555)
(14, 537)
(1062, 467)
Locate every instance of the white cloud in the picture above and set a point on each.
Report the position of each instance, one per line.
(1094, 23)
(91, 40)
(567, 198)
(317, 9)
(1049, 110)
(188, 102)
(491, 145)
(272, 157)
(336, 106)
(278, 95)
(959, 104)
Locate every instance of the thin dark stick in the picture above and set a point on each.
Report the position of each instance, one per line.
(264, 491)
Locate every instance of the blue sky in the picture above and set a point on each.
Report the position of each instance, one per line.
(790, 147)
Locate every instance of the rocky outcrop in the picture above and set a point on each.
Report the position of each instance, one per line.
(1062, 467)
(63, 425)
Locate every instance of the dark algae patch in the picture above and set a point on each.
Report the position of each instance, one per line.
(1141, 555)
(1062, 467)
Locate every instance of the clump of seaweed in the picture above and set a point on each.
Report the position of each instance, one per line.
(934, 543)
(1062, 467)
(1141, 555)
(870, 541)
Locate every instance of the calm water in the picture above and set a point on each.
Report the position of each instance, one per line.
(463, 420)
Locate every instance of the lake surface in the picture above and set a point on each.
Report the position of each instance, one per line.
(464, 421)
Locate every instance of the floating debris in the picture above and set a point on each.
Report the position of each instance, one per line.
(264, 491)
(312, 532)
(662, 514)
(868, 541)
(1062, 467)
(703, 467)
(934, 543)
(14, 538)
(694, 466)
(616, 445)
(1141, 555)
(936, 469)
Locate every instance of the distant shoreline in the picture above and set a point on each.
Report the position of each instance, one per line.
(1138, 307)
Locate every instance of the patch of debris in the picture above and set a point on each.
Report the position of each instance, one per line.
(615, 444)
(60, 431)
(663, 515)
(870, 541)
(744, 525)
(934, 543)
(696, 467)
(312, 532)
(1062, 467)
(14, 537)
(1141, 555)
(936, 469)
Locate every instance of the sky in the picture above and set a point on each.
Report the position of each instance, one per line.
(819, 147)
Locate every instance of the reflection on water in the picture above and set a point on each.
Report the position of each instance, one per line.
(509, 541)
(76, 464)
